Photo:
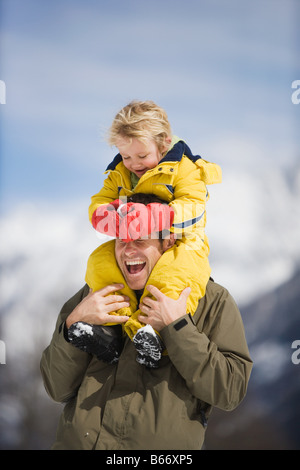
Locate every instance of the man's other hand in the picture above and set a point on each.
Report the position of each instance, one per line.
(96, 307)
(164, 310)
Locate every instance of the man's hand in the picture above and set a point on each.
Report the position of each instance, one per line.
(96, 306)
(164, 310)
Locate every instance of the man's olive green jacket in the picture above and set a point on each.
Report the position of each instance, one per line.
(127, 406)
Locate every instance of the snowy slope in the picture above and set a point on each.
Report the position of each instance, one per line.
(254, 230)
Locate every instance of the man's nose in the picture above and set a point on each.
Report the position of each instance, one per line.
(130, 248)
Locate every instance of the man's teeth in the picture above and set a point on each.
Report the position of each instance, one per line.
(135, 266)
(130, 263)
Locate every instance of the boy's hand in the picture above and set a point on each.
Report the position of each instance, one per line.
(137, 220)
(105, 219)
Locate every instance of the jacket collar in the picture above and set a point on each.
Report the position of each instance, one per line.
(174, 155)
(178, 151)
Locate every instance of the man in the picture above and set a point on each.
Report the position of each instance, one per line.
(124, 405)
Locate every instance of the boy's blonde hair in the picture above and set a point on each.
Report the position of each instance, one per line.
(143, 120)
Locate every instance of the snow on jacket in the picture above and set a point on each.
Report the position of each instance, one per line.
(127, 406)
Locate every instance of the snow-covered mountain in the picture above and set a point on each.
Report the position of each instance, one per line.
(254, 232)
(269, 417)
(254, 229)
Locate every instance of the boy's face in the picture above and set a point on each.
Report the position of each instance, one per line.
(137, 156)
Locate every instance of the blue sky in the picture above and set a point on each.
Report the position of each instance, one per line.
(222, 70)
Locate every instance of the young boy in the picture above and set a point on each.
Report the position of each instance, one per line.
(152, 161)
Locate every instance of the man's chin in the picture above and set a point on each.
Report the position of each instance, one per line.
(135, 280)
(136, 286)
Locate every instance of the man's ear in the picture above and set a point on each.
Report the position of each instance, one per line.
(169, 242)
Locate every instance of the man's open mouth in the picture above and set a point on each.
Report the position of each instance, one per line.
(134, 267)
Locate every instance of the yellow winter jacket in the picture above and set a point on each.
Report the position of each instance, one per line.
(180, 178)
